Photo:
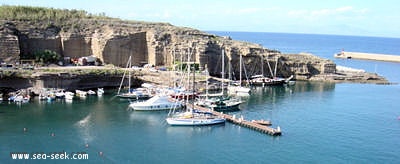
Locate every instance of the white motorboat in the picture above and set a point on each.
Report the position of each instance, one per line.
(100, 91)
(69, 95)
(155, 103)
(91, 92)
(81, 94)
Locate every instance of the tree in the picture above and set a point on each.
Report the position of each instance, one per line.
(47, 57)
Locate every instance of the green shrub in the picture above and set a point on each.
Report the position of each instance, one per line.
(47, 57)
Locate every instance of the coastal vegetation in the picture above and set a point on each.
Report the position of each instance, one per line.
(62, 19)
(47, 57)
(27, 13)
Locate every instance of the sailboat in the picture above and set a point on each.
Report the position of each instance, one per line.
(261, 80)
(220, 103)
(238, 89)
(132, 93)
(193, 117)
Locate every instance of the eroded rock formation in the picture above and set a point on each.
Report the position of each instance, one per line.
(159, 44)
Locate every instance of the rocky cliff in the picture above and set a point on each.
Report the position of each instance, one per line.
(159, 44)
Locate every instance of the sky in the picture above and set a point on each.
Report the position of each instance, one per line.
(337, 17)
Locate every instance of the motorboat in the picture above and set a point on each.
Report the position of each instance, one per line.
(156, 103)
(100, 91)
(80, 93)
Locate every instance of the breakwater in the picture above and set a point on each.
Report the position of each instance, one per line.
(368, 56)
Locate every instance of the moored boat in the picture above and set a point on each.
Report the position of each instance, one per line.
(100, 91)
(69, 96)
(155, 103)
(91, 92)
(80, 93)
(194, 118)
(262, 122)
(220, 104)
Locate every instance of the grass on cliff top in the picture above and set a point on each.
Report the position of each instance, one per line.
(22, 13)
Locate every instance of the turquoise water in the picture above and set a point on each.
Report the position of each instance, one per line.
(321, 123)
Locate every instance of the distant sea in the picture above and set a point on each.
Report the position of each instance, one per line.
(321, 122)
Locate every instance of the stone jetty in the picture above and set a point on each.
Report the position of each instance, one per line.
(368, 56)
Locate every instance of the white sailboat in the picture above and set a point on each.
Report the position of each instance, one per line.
(217, 101)
(223, 102)
(239, 89)
(131, 94)
(193, 117)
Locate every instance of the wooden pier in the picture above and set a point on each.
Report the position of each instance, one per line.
(245, 123)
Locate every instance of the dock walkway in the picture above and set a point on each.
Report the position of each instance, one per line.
(245, 123)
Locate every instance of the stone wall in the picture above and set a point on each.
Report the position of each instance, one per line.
(30, 46)
(76, 46)
(118, 49)
(9, 48)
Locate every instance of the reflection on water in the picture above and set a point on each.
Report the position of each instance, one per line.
(148, 118)
(192, 130)
(273, 94)
(313, 87)
(84, 126)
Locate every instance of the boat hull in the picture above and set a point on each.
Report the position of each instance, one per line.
(194, 122)
(155, 107)
(234, 107)
(133, 96)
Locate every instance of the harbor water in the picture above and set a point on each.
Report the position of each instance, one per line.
(320, 122)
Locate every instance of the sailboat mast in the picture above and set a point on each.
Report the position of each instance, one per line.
(240, 70)
(130, 72)
(276, 66)
(208, 75)
(188, 68)
(262, 65)
(223, 70)
(269, 66)
(123, 76)
(230, 70)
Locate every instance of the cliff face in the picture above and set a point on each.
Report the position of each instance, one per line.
(159, 44)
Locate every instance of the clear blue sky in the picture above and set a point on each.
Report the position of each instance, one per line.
(342, 17)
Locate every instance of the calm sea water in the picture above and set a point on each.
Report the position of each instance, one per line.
(321, 122)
